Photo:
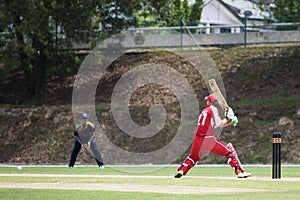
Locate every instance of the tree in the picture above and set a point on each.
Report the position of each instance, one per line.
(41, 29)
(196, 10)
(33, 26)
(115, 16)
(185, 10)
(161, 12)
(38, 31)
(286, 10)
(170, 12)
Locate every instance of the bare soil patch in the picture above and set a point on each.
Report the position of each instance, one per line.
(166, 189)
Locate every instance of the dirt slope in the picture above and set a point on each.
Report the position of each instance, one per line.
(262, 84)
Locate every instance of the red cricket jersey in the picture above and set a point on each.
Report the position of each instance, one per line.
(208, 120)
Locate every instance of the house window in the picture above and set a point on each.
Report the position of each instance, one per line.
(225, 30)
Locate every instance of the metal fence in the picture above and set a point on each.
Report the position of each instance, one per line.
(217, 35)
(175, 37)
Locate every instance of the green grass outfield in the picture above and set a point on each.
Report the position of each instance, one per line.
(145, 182)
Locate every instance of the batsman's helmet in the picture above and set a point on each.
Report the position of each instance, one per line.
(211, 98)
(84, 116)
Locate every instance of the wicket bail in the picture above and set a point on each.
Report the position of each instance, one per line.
(276, 158)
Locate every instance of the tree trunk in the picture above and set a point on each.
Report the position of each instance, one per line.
(39, 66)
(33, 65)
(40, 70)
(25, 59)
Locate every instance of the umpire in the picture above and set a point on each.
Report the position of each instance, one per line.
(85, 136)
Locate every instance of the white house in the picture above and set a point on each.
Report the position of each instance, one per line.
(231, 13)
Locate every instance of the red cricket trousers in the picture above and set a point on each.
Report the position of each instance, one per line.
(202, 145)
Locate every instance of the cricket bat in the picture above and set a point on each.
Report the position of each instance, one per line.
(216, 91)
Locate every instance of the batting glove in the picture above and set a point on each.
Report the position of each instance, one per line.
(229, 114)
(234, 121)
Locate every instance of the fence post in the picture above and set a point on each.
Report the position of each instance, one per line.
(181, 32)
(247, 13)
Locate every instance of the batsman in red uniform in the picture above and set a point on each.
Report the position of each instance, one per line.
(205, 141)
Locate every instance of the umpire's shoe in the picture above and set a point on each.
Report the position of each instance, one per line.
(101, 166)
(179, 174)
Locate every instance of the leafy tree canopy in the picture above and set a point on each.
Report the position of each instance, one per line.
(38, 32)
(287, 10)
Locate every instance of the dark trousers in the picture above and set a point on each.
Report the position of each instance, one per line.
(94, 149)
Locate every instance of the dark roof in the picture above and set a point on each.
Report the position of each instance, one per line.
(233, 9)
(262, 1)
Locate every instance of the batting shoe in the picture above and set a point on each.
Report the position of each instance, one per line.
(179, 174)
(243, 174)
